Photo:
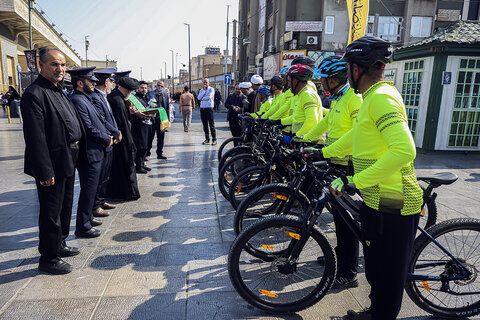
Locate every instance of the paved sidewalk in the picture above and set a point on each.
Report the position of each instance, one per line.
(164, 256)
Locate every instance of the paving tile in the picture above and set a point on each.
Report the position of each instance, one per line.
(181, 254)
(192, 220)
(80, 283)
(114, 257)
(190, 235)
(60, 309)
(146, 307)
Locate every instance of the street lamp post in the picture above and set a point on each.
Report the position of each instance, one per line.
(31, 4)
(173, 75)
(226, 60)
(189, 59)
(106, 61)
(87, 44)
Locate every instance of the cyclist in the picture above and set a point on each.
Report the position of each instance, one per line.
(264, 94)
(345, 104)
(276, 86)
(383, 151)
(306, 103)
(283, 106)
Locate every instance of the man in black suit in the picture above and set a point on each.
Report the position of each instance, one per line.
(99, 99)
(98, 138)
(52, 133)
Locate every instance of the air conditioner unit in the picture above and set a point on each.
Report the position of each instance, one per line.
(312, 40)
(271, 48)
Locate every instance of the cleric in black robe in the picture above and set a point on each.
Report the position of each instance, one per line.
(123, 179)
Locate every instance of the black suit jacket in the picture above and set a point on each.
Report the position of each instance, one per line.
(47, 151)
(97, 136)
(100, 101)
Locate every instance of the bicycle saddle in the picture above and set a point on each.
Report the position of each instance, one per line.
(439, 178)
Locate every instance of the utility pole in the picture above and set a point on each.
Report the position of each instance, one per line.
(173, 73)
(31, 4)
(226, 59)
(87, 44)
(189, 59)
(106, 61)
(165, 78)
(234, 51)
(141, 73)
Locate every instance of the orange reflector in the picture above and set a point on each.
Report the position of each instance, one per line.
(228, 177)
(293, 235)
(266, 246)
(423, 212)
(282, 197)
(268, 293)
(426, 286)
(239, 188)
(274, 195)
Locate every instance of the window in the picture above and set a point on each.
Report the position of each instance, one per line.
(329, 24)
(421, 26)
(465, 124)
(389, 28)
(411, 86)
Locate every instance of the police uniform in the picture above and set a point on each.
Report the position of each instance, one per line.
(97, 139)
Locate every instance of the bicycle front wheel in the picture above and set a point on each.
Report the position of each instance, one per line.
(265, 283)
(454, 295)
(227, 145)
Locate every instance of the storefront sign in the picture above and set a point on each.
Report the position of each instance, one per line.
(288, 36)
(289, 55)
(391, 75)
(312, 26)
(448, 15)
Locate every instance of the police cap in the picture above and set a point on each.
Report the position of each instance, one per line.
(83, 73)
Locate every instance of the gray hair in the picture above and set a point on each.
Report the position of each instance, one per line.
(42, 53)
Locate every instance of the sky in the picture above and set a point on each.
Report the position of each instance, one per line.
(140, 34)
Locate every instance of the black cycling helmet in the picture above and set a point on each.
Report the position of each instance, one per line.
(277, 82)
(305, 60)
(369, 52)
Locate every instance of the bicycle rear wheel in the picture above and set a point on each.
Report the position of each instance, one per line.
(227, 145)
(229, 154)
(264, 283)
(454, 296)
(249, 180)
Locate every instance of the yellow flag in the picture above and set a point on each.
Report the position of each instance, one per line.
(357, 16)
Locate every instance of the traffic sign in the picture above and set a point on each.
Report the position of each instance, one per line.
(228, 79)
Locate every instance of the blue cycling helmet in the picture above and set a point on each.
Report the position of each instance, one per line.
(265, 90)
(332, 67)
(284, 71)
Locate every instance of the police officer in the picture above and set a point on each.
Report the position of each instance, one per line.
(99, 99)
(98, 138)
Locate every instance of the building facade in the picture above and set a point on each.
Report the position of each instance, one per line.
(269, 27)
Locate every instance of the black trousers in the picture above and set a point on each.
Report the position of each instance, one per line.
(140, 158)
(155, 129)
(387, 246)
(55, 214)
(208, 122)
(103, 181)
(89, 174)
(235, 127)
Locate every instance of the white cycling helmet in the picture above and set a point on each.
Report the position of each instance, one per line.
(256, 79)
(245, 85)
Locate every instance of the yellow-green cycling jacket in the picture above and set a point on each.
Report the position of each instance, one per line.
(280, 109)
(267, 104)
(383, 151)
(338, 121)
(307, 111)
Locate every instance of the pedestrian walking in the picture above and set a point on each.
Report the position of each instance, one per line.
(205, 98)
(52, 133)
(123, 178)
(217, 99)
(98, 138)
(235, 107)
(186, 107)
(99, 98)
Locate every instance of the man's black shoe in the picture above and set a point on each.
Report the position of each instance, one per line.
(91, 233)
(161, 157)
(147, 168)
(140, 170)
(207, 141)
(96, 222)
(344, 282)
(60, 267)
(365, 314)
(68, 251)
(214, 142)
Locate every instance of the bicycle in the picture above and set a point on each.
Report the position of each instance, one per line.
(273, 262)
